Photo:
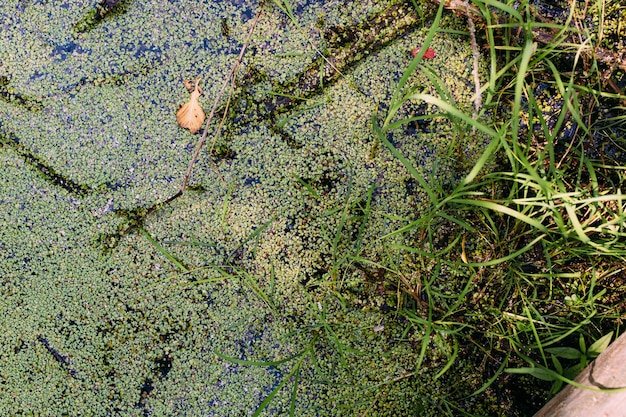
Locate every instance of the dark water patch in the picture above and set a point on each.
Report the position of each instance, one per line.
(62, 52)
(59, 357)
(146, 389)
(557, 10)
(244, 7)
(311, 278)
(420, 119)
(163, 366)
(251, 181)
(286, 137)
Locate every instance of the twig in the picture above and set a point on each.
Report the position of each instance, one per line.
(223, 119)
(229, 79)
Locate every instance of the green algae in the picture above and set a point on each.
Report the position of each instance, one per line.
(345, 47)
(138, 333)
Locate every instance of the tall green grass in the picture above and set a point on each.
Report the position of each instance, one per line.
(543, 219)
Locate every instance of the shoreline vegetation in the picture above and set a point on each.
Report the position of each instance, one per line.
(467, 261)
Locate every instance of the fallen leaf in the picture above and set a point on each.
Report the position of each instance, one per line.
(429, 54)
(190, 115)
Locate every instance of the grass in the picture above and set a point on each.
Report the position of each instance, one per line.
(543, 214)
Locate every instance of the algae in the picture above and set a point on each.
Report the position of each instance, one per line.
(126, 330)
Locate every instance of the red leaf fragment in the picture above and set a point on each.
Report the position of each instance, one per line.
(429, 54)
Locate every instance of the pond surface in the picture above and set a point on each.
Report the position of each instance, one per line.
(116, 305)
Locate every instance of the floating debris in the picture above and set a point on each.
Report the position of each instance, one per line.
(190, 115)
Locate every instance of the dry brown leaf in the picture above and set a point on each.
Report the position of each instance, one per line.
(190, 115)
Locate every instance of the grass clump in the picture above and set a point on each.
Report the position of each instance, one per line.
(518, 265)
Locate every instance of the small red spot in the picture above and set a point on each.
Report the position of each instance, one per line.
(429, 54)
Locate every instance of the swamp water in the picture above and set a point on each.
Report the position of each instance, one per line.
(114, 305)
